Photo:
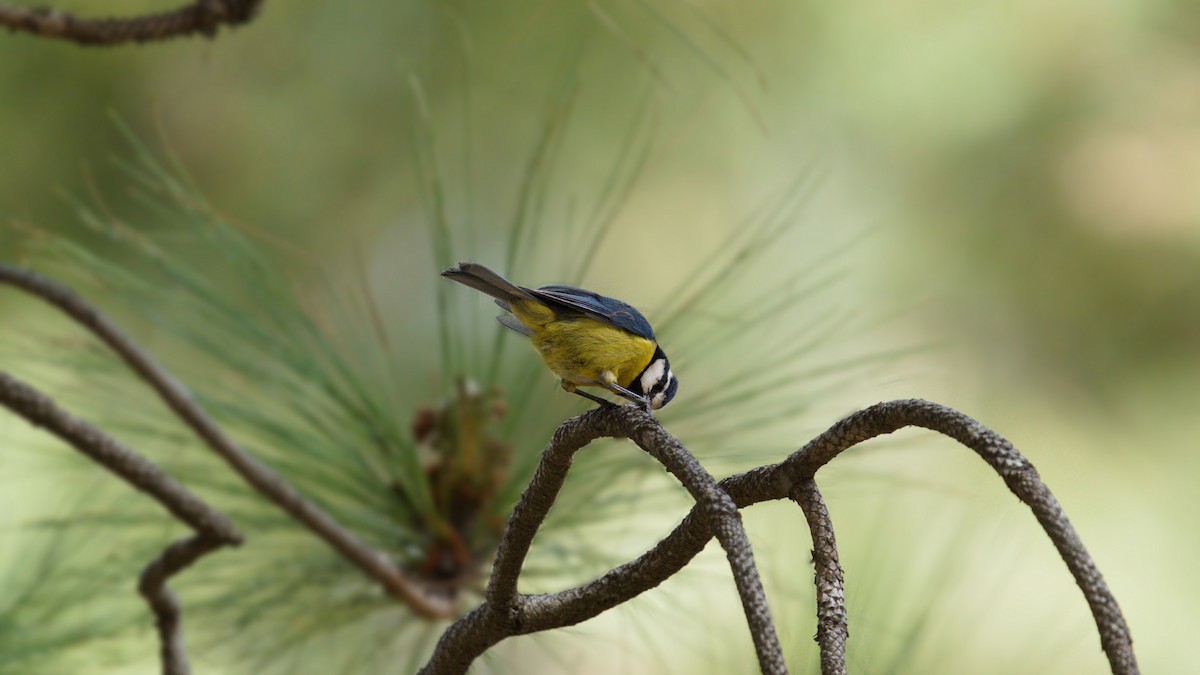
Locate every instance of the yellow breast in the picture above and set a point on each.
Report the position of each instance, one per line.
(578, 350)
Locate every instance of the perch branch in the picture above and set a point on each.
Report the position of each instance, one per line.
(470, 637)
(213, 529)
(502, 613)
(373, 563)
(202, 17)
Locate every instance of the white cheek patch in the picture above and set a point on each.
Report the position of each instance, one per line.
(657, 401)
(652, 374)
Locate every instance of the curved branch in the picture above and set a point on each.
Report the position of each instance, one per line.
(668, 556)
(202, 17)
(1022, 480)
(373, 563)
(832, 630)
(534, 504)
(503, 614)
(724, 520)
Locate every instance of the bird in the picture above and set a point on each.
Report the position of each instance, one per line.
(584, 338)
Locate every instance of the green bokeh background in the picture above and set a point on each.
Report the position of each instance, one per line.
(1028, 175)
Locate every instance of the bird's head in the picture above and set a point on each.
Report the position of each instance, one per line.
(656, 381)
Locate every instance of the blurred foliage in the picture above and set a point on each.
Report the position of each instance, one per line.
(1028, 174)
(302, 367)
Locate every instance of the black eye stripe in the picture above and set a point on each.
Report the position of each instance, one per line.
(661, 384)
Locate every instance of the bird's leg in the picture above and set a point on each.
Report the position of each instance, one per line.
(571, 388)
(609, 381)
(592, 397)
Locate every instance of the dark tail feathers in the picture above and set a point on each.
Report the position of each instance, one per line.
(483, 279)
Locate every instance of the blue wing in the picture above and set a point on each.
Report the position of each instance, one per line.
(599, 307)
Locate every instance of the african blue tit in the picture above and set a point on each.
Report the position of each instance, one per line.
(586, 339)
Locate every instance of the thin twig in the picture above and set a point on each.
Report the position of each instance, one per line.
(832, 628)
(153, 587)
(203, 17)
(470, 636)
(213, 529)
(374, 564)
(503, 613)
